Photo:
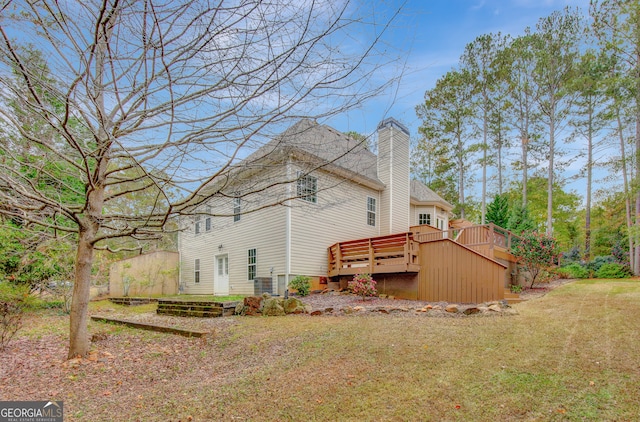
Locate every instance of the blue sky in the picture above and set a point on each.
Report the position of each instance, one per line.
(432, 35)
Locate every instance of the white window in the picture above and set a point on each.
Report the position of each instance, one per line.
(196, 270)
(307, 188)
(237, 207)
(197, 224)
(223, 265)
(424, 219)
(252, 263)
(371, 211)
(207, 220)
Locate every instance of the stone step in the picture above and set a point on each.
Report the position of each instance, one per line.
(132, 301)
(165, 302)
(204, 307)
(200, 309)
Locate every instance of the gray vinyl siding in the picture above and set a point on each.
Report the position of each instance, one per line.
(339, 215)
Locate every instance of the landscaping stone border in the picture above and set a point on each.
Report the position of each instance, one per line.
(276, 306)
(447, 310)
(152, 327)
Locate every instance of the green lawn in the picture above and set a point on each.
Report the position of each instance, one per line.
(573, 354)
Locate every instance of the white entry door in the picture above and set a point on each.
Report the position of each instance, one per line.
(221, 281)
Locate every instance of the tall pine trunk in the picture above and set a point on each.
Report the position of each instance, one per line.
(484, 159)
(587, 219)
(625, 181)
(552, 132)
(461, 179)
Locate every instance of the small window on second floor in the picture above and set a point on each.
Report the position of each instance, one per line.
(424, 219)
(371, 211)
(207, 220)
(197, 223)
(307, 188)
(237, 208)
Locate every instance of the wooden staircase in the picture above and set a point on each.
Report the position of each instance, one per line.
(195, 308)
(511, 298)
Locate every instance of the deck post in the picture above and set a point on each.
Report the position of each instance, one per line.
(407, 251)
(491, 236)
(371, 257)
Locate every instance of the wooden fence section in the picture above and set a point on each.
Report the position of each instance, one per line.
(455, 273)
(396, 253)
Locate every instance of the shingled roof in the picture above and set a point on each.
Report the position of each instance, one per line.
(423, 195)
(322, 145)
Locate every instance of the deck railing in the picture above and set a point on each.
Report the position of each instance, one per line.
(398, 253)
(383, 254)
(482, 238)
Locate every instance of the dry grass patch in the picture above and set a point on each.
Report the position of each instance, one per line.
(571, 355)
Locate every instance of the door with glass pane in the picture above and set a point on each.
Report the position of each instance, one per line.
(221, 280)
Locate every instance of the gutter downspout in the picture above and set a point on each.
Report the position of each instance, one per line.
(391, 179)
(287, 248)
(179, 255)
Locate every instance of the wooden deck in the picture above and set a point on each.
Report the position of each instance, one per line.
(466, 264)
(397, 253)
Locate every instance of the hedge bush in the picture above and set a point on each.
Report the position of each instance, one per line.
(613, 270)
(575, 270)
(301, 284)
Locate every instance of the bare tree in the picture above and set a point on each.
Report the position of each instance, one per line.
(158, 96)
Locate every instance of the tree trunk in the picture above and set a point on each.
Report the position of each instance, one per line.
(587, 219)
(78, 336)
(525, 165)
(625, 180)
(500, 160)
(636, 259)
(552, 130)
(484, 160)
(461, 180)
